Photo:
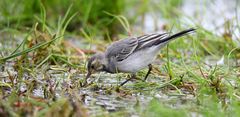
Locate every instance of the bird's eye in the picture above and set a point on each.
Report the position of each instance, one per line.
(92, 66)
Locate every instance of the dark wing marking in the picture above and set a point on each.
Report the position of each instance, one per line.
(157, 39)
(149, 40)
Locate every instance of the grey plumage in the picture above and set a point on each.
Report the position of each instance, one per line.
(132, 54)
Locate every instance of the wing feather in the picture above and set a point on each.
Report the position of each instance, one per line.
(122, 49)
(148, 41)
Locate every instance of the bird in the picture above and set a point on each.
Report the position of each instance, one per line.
(132, 54)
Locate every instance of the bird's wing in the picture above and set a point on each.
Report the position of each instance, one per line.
(149, 40)
(120, 50)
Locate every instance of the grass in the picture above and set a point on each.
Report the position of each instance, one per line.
(43, 66)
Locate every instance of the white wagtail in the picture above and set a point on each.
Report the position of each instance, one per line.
(131, 55)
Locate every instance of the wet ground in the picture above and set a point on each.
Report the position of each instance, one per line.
(103, 96)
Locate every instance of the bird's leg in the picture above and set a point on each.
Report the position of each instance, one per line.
(133, 76)
(149, 71)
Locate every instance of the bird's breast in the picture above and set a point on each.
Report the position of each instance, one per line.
(138, 60)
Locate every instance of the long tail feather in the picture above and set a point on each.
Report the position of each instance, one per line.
(182, 33)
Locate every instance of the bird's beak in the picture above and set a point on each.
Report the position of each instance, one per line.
(88, 75)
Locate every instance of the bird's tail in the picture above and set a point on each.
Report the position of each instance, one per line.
(182, 33)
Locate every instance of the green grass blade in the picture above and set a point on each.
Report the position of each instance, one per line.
(22, 43)
(28, 50)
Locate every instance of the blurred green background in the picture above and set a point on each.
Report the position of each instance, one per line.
(92, 15)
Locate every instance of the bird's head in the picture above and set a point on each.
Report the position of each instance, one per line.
(95, 64)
